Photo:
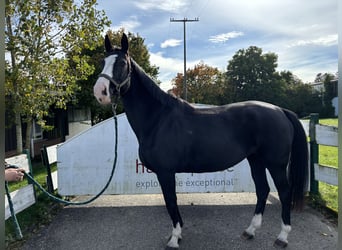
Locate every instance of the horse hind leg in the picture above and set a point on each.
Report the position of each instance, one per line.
(168, 185)
(262, 190)
(284, 192)
(175, 237)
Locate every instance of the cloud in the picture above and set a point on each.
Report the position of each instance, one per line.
(129, 25)
(168, 68)
(305, 42)
(328, 40)
(224, 37)
(170, 43)
(168, 6)
(167, 64)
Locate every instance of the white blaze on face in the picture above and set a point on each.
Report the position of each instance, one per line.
(101, 87)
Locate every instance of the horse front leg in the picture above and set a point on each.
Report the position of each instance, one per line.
(168, 185)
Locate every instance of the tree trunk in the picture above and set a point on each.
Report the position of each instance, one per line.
(19, 134)
(28, 135)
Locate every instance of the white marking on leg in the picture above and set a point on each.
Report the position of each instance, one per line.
(285, 230)
(176, 235)
(255, 224)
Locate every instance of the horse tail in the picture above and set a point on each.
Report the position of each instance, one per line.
(298, 166)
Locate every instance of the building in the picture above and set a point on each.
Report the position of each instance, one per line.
(66, 123)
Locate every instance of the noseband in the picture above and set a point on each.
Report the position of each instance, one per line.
(118, 86)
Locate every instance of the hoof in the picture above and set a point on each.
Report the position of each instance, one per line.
(178, 240)
(246, 236)
(175, 245)
(171, 248)
(280, 244)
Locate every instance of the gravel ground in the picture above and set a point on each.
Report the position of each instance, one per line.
(212, 221)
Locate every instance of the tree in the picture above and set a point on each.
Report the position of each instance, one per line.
(250, 71)
(303, 100)
(252, 75)
(45, 41)
(137, 50)
(289, 78)
(329, 92)
(205, 84)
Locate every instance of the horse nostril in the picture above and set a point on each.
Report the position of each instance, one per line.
(100, 100)
(104, 92)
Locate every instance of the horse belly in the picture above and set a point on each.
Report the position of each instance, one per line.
(214, 158)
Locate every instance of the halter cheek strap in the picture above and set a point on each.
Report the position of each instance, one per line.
(118, 86)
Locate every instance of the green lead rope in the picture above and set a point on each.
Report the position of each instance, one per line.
(57, 199)
(14, 217)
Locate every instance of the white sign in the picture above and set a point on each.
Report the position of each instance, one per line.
(85, 162)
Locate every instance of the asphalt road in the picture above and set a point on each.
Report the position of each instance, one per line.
(212, 221)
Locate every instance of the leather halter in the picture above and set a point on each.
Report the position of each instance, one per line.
(117, 85)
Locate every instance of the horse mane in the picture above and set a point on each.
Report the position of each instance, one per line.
(154, 90)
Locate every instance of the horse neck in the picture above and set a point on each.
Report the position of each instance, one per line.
(142, 108)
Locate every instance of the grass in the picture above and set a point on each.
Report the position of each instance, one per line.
(39, 174)
(328, 155)
(330, 122)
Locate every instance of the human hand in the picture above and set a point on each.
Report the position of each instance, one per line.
(14, 174)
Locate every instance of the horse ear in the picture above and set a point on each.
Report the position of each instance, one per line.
(124, 43)
(108, 44)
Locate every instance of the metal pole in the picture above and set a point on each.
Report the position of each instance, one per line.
(185, 89)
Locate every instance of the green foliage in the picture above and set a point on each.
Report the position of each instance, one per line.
(45, 39)
(330, 91)
(252, 75)
(303, 99)
(205, 84)
(250, 68)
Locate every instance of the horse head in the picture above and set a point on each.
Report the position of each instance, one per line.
(115, 76)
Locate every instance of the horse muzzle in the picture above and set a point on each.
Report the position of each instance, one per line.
(102, 92)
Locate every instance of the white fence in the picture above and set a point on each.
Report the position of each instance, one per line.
(321, 135)
(24, 197)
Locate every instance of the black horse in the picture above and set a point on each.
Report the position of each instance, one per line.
(175, 137)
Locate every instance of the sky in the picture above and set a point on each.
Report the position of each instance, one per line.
(302, 33)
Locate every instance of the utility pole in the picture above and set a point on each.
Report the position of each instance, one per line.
(185, 20)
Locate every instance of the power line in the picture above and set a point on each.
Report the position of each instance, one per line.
(184, 20)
